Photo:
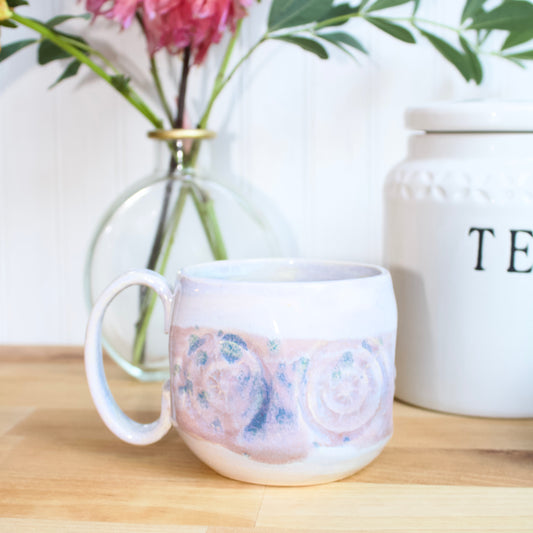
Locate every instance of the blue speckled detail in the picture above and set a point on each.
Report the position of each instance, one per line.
(202, 399)
(347, 358)
(216, 424)
(346, 439)
(236, 339)
(301, 365)
(187, 388)
(243, 378)
(194, 343)
(201, 358)
(366, 346)
(231, 352)
(273, 345)
(283, 416)
(232, 347)
(260, 417)
(283, 378)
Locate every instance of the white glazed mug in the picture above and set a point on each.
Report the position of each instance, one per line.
(281, 371)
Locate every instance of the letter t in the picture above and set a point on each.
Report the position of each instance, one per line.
(481, 231)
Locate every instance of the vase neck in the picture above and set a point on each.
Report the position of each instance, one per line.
(183, 154)
(178, 156)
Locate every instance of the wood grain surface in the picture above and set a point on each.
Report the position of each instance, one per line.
(62, 470)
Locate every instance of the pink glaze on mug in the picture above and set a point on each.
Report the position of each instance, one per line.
(254, 395)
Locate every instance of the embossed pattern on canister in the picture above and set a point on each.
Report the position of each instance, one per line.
(459, 245)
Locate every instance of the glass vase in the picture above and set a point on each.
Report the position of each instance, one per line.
(171, 219)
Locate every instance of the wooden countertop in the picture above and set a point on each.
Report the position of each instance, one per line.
(62, 470)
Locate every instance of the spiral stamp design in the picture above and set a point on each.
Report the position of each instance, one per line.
(274, 400)
(343, 391)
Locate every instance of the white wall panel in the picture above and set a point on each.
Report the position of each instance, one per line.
(312, 140)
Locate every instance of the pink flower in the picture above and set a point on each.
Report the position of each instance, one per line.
(176, 24)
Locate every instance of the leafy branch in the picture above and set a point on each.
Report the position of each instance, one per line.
(309, 26)
(56, 45)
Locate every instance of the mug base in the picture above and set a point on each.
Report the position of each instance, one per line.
(322, 465)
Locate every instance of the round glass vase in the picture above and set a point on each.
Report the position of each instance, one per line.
(171, 219)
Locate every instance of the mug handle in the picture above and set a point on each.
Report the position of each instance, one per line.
(115, 419)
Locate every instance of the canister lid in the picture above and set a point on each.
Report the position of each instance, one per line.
(472, 116)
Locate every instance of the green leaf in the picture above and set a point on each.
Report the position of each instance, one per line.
(395, 30)
(341, 10)
(512, 16)
(515, 61)
(8, 23)
(71, 70)
(415, 7)
(309, 45)
(48, 51)
(525, 56)
(472, 8)
(454, 56)
(340, 37)
(385, 4)
(290, 13)
(120, 82)
(16, 3)
(12, 48)
(63, 18)
(517, 37)
(345, 50)
(72, 37)
(475, 66)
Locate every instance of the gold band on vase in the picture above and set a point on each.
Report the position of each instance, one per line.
(180, 134)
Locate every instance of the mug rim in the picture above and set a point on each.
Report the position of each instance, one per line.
(207, 272)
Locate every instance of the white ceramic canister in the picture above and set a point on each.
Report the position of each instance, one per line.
(459, 245)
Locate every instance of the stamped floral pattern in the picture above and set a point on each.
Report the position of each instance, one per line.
(255, 395)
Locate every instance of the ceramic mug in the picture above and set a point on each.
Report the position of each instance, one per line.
(281, 371)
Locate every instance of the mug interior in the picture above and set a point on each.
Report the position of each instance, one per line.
(282, 271)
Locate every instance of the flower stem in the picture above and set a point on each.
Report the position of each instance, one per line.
(124, 89)
(89, 49)
(159, 87)
(146, 312)
(154, 70)
(176, 159)
(221, 80)
(415, 21)
(180, 118)
(160, 234)
(335, 20)
(206, 209)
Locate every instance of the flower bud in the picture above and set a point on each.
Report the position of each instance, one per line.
(5, 12)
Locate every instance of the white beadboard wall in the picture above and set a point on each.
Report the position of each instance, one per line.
(314, 138)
